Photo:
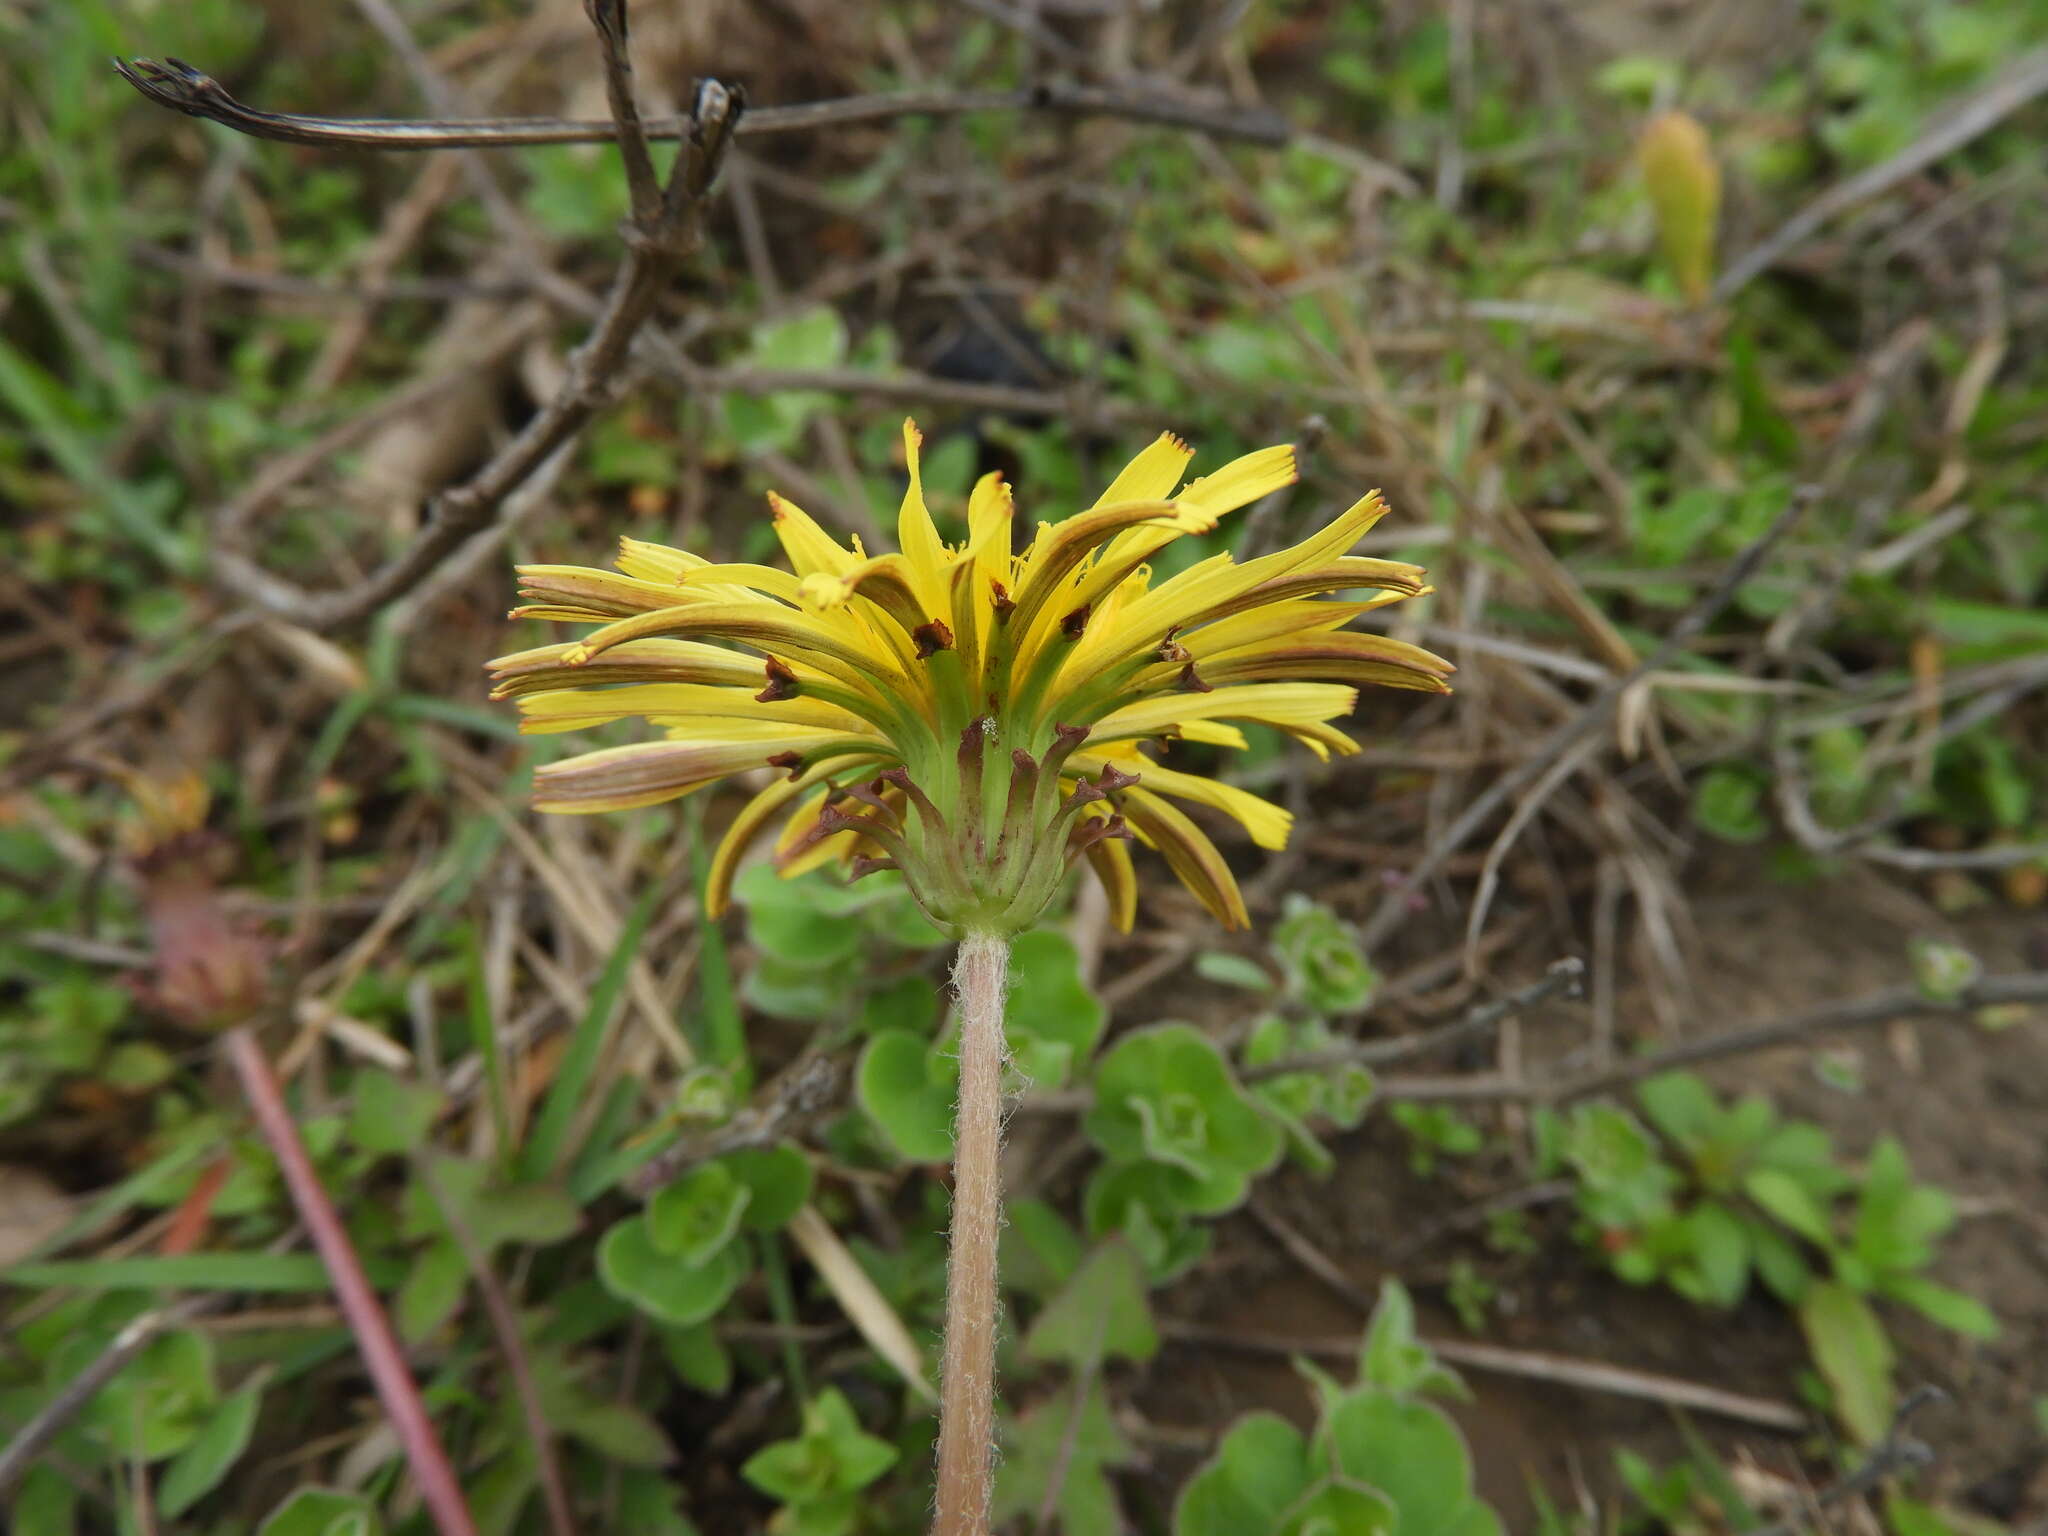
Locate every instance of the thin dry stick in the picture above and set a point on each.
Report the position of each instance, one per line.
(2018, 84)
(1393, 909)
(967, 1421)
(1897, 1451)
(1528, 1365)
(26, 1449)
(665, 230)
(175, 84)
(396, 1389)
(2021, 987)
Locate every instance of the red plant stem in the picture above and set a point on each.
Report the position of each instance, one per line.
(967, 1384)
(374, 1338)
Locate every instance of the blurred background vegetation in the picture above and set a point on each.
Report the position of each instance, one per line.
(1519, 264)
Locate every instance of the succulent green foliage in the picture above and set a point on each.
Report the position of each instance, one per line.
(818, 1476)
(323, 1512)
(1339, 1094)
(1146, 1203)
(1435, 1131)
(1731, 1191)
(906, 1081)
(1165, 1095)
(1321, 957)
(906, 1084)
(158, 1405)
(1382, 1461)
(681, 1258)
(1099, 1314)
(814, 934)
(1053, 1021)
(1063, 1445)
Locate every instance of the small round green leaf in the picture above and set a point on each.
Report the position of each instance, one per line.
(633, 1269)
(691, 1220)
(894, 1086)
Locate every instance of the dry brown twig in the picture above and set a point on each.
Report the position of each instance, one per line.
(2025, 987)
(1567, 737)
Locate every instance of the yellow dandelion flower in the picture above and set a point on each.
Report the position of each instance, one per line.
(972, 717)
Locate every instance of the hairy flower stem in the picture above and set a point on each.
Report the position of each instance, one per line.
(967, 1386)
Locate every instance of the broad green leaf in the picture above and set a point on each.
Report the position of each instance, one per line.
(699, 1357)
(1394, 1357)
(1049, 1001)
(1951, 1309)
(322, 1512)
(198, 1468)
(1787, 1199)
(1100, 1313)
(1166, 1095)
(1039, 1249)
(1408, 1451)
(158, 1403)
(1261, 1468)
(1854, 1356)
(1226, 969)
(633, 1269)
(389, 1114)
(1060, 1440)
(433, 1290)
(779, 1179)
(692, 1219)
(895, 1085)
(46, 1504)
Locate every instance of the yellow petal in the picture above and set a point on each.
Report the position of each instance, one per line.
(682, 707)
(725, 859)
(916, 535)
(1111, 860)
(1280, 704)
(1188, 852)
(1213, 733)
(809, 547)
(639, 661)
(1267, 823)
(645, 773)
(1152, 475)
(657, 562)
(603, 594)
(1243, 480)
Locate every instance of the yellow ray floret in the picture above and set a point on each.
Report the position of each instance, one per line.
(971, 714)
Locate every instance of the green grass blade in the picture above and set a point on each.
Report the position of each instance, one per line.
(269, 1273)
(721, 1034)
(548, 1143)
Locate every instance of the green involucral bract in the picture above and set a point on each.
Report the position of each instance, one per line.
(1165, 1094)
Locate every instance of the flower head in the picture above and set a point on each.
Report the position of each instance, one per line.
(967, 715)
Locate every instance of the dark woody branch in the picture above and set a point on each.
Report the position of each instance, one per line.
(175, 84)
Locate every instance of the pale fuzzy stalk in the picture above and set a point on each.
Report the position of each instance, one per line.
(967, 1384)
